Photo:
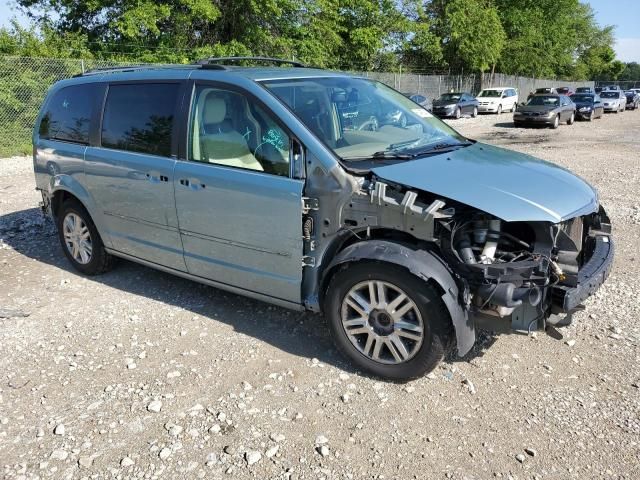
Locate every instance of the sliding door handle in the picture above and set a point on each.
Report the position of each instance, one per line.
(192, 184)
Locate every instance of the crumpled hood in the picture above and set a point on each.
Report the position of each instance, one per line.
(509, 185)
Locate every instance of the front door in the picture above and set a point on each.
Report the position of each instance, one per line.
(238, 207)
(130, 173)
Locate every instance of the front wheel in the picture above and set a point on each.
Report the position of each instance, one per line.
(81, 241)
(572, 119)
(457, 114)
(388, 322)
(556, 122)
(499, 111)
(475, 112)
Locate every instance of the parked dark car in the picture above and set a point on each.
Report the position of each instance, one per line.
(420, 100)
(588, 106)
(564, 91)
(633, 99)
(455, 105)
(547, 110)
(584, 90)
(598, 89)
(546, 90)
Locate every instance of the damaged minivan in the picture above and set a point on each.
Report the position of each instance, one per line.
(318, 191)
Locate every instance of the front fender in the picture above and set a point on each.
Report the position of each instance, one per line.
(423, 264)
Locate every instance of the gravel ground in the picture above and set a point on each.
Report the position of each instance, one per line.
(138, 374)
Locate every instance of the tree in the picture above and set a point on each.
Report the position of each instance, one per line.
(475, 34)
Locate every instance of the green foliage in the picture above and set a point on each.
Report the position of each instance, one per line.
(554, 38)
(631, 72)
(475, 32)
(542, 38)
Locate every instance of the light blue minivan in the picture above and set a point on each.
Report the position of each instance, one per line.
(318, 191)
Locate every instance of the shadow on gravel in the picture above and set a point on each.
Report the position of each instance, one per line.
(33, 235)
(505, 125)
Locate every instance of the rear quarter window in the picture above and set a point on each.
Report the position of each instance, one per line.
(68, 114)
(140, 117)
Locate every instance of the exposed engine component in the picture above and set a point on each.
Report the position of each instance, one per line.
(506, 268)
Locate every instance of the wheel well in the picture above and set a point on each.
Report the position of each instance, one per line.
(396, 236)
(59, 198)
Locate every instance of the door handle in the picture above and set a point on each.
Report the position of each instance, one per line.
(193, 184)
(157, 178)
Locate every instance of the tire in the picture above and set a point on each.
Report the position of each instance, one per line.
(556, 122)
(572, 118)
(418, 357)
(457, 114)
(591, 117)
(499, 111)
(475, 112)
(75, 228)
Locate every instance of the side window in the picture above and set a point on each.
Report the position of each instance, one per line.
(229, 128)
(68, 114)
(139, 117)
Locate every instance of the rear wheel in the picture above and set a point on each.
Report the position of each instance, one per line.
(81, 241)
(387, 321)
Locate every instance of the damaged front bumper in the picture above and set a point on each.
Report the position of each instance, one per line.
(590, 277)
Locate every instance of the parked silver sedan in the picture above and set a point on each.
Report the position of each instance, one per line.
(614, 101)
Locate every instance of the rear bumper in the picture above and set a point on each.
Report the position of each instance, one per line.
(590, 277)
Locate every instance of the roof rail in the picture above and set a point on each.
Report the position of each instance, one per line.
(215, 62)
(134, 68)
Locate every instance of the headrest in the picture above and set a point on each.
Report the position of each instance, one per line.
(215, 109)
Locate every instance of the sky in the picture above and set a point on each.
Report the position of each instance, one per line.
(623, 14)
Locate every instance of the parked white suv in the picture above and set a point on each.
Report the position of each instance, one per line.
(497, 100)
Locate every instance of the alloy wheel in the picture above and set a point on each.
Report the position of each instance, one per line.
(382, 322)
(77, 238)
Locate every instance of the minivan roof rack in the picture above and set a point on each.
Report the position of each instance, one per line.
(134, 68)
(216, 62)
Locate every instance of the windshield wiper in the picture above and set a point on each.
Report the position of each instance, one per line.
(440, 147)
(382, 155)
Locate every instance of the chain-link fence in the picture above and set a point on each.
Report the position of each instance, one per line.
(623, 84)
(432, 86)
(24, 82)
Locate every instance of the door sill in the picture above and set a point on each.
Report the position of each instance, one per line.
(212, 283)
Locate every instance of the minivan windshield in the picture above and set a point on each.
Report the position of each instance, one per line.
(360, 119)
(490, 93)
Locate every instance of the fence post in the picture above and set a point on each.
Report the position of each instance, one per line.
(82, 65)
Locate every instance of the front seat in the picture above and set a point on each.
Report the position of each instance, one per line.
(219, 142)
